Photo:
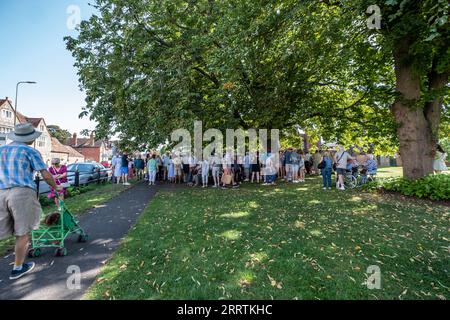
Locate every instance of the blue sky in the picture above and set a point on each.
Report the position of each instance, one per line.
(32, 48)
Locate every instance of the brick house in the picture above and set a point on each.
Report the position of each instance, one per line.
(91, 149)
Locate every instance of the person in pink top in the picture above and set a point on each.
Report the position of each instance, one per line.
(59, 173)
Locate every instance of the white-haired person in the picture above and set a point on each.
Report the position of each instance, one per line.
(370, 168)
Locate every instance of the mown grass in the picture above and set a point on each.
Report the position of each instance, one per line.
(79, 204)
(291, 241)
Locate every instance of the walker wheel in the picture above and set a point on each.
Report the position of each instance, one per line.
(34, 253)
(82, 238)
(61, 252)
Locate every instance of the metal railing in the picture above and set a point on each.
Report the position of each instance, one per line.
(76, 178)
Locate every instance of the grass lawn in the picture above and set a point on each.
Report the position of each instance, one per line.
(292, 241)
(388, 172)
(78, 204)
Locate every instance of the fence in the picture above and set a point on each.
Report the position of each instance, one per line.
(86, 179)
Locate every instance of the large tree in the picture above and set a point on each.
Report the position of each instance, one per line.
(417, 35)
(151, 66)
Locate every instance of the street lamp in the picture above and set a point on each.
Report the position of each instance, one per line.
(15, 102)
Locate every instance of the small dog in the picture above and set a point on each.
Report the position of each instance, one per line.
(52, 219)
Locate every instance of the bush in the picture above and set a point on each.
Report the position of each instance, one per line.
(71, 192)
(434, 187)
(45, 201)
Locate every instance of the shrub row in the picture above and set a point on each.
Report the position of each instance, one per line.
(434, 187)
(71, 192)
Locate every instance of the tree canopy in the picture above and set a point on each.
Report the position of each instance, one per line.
(57, 132)
(151, 66)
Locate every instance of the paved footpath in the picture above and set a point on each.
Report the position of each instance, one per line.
(106, 226)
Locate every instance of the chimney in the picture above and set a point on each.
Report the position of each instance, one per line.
(74, 139)
(92, 140)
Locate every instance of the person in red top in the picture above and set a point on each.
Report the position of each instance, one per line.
(59, 173)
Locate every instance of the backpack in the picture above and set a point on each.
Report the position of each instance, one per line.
(321, 165)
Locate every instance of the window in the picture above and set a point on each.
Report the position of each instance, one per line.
(41, 142)
(5, 130)
(41, 128)
(7, 114)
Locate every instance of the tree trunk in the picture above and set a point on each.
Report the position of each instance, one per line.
(417, 146)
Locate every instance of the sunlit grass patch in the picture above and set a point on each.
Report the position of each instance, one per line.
(258, 243)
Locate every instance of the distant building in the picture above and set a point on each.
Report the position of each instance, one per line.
(44, 143)
(6, 119)
(91, 149)
(66, 154)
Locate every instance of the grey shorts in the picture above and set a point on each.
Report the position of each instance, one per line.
(341, 171)
(20, 211)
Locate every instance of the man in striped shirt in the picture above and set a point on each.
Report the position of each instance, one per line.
(20, 209)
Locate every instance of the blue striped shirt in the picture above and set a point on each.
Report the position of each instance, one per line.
(18, 162)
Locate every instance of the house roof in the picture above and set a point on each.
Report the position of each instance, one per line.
(58, 147)
(85, 143)
(35, 121)
(21, 117)
(3, 101)
(73, 152)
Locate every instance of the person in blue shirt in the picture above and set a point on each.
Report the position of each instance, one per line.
(288, 164)
(370, 168)
(326, 171)
(247, 166)
(20, 209)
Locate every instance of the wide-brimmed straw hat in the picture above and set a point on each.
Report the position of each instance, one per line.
(24, 132)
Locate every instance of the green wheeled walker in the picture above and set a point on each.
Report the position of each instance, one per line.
(54, 236)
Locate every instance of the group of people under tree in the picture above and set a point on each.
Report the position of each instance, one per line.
(230, 170)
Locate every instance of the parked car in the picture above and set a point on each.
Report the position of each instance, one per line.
(89, 172)
(106, 164)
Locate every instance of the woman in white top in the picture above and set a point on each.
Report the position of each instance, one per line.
(439, 160)
(205, 172)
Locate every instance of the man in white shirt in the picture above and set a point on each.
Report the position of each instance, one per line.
(341, 158)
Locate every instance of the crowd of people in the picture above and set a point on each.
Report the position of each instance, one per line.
(229, 171)
(20, 209)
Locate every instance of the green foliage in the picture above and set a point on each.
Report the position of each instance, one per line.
(253, 63)
(434, 187)
(45, 201)
(71, 192)
(233, 64)
(445, 144)
(57, 132)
